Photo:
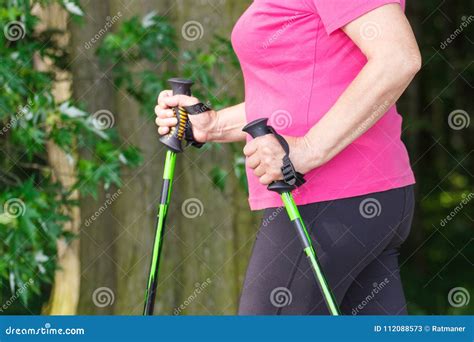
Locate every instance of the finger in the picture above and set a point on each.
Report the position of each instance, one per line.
(167, 122)
(164, 113)
(265, 179)
(250, 148)
(162, 130)
(162, 95)
(253, 161)
(259, 171)
(180, 100)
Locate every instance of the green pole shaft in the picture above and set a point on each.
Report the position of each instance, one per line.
(297, 221)
(168, 175)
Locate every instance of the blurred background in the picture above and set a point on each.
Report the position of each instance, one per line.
(81, 165)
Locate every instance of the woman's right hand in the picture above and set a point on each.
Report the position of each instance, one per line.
(202, 124)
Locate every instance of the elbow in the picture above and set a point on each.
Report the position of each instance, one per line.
(405, 64)
(399, 66)
(412, 63)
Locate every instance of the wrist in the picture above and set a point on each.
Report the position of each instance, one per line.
(305, 155)
(213, 133)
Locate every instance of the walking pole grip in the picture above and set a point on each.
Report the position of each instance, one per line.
(173, 140)
(258, 128)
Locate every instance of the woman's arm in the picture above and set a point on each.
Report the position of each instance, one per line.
(393, 58)
(218, 126)
(228, 125)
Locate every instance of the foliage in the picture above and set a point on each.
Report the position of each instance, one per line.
(438, 255)
(32, 198)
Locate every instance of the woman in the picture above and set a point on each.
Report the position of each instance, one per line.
(327, 73)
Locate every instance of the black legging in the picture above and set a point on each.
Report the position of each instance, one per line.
(357, 241)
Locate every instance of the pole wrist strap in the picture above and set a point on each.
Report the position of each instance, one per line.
(198, 108)
(290, 175)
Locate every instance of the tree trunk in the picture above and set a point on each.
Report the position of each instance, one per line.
(65, 293)
(98, 262)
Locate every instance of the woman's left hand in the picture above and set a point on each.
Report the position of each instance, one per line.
(265, 157)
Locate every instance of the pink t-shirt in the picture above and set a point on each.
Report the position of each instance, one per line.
(296, 62)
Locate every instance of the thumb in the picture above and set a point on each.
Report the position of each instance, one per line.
(180, 100)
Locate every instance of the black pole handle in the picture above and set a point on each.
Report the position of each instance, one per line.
(173, 140)
(258, 128)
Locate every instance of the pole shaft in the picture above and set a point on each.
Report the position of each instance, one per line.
(297, 221)
(168, 175)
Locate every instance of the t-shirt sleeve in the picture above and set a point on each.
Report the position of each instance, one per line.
(337, 13)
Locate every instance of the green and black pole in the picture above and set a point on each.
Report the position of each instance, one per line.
(259, 128)
(173, 142)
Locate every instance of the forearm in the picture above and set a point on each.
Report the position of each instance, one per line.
(228, 124)
(377, 87)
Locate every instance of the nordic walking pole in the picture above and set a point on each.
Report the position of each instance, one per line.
(173, 141)
(259, 128)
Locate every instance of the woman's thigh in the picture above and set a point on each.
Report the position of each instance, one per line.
(348, 235)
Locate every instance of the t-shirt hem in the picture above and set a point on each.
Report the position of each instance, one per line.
(272, 201)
